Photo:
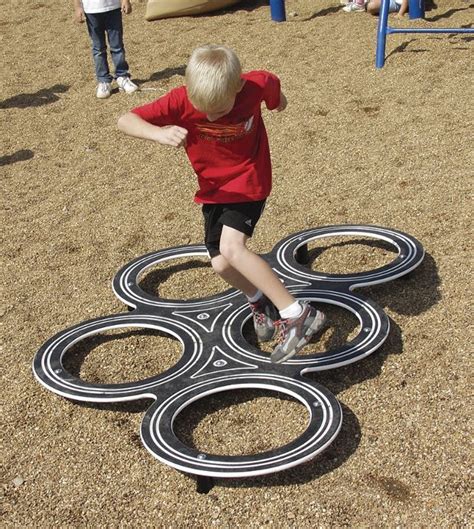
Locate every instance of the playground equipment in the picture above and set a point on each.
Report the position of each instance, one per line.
(156, 9)
(277, 10)
(416, 10)
(217, 358)
(179, 8)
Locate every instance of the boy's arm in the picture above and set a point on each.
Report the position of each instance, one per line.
(283, 102)
(272, 93)
(403, 8)
(134, 125)
(78, 11)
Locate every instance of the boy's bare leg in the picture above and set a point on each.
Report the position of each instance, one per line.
(248, 271)
(241, 266)
(265, 314)
(232, 276)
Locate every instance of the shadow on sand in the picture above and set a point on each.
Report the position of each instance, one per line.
(18, 156)
(45, 96)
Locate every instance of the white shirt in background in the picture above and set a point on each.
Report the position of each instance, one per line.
(100, 6)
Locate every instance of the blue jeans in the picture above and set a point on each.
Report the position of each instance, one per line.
(98, 25)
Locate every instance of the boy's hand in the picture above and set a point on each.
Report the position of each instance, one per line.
(172, 135)
(283, 103)
(79, 15)
(126, 7)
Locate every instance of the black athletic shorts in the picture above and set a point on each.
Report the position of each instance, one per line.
(242, 216)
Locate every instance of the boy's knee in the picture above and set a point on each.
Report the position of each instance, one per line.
(372, 8)
(231, 250)
(220, 264)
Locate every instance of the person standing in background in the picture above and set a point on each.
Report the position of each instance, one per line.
(104, 18)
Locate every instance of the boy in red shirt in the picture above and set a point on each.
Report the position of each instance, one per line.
(217, 118)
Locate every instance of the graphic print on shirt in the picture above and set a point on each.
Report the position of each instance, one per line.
(225, 133)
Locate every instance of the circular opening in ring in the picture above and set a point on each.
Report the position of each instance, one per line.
(241, 422)
(348, 254)
(182, 278)
(342, 326)
(127, 354)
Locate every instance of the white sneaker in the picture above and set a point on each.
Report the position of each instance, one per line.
(354, 8)
(103, 90)
(126, 85)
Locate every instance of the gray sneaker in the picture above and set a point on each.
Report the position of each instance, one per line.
(264, 316)
(295, 333)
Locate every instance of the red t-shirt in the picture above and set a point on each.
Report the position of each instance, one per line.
(230, 156)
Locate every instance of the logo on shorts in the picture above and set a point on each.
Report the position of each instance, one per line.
(249, 222)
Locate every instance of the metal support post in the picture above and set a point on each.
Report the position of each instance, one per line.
(277, 10)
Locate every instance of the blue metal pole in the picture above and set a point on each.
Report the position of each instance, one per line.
(277, 10)
(416, 9)
(382, 34)
(432, 30)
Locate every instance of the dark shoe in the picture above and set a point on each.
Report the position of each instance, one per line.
(264, 316)
(295, 333)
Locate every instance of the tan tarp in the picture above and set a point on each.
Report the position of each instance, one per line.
(178, 8)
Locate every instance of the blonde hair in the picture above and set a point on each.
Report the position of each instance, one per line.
(212, 77)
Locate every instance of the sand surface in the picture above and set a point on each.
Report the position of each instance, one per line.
(390, 147)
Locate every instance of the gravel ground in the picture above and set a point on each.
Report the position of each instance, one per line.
(355, 145)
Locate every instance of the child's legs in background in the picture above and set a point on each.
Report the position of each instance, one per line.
(374, 6)
(114, 28)
(96, 28)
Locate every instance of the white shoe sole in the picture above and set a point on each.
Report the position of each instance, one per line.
(129, 91)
